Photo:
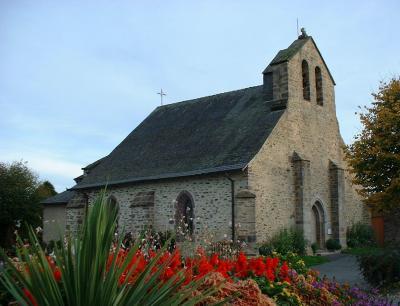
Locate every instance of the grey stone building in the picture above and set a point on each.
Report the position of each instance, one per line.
(54, 212)
(240, 164)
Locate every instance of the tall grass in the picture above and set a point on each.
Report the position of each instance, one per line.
(86, 278)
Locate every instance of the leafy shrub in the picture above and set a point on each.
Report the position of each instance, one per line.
(294, 261)
(360, 235)
(299, 242)
(266, 249)
(284, 242)
(314, 247)
(333, 245)
(382, 267)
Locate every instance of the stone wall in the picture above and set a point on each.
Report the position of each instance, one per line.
(276, 82)
(54, 222)
(245, 216)
(212, 204)
(312, 131)
(76, 210)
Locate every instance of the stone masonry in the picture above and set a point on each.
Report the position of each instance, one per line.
(212, 205)
(293, 171)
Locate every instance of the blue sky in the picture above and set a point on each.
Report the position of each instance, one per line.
(77, 76)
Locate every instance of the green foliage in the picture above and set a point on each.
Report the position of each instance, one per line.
(294, 261)
(266, 249)
(362, 250)
(333, 245)
(19, 201)
(278, 291)
(310, 261)
(5, 296)
(314, 247)
(374, 156)
(382, 267)
(285, 241)
(360, 235)
(45, 190)
(85, 277)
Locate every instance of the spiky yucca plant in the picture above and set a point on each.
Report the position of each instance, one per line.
(86, 278)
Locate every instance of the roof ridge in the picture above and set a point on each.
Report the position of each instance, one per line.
(209, 96)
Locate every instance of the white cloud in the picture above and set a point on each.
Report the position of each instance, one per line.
(45, 164)
(60, 168)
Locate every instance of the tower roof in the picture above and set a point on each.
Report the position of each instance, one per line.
(286, 54)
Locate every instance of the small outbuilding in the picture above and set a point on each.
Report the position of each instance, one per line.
(54, 215)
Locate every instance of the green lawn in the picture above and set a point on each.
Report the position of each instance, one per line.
(314, 260)
(362, 251)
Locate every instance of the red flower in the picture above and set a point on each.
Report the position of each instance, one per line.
(188, 276)
(224, 268)
(57, 274)
(51, 262)
(214, 260)
(176, 260)
(241, 266)
(122, 279)
(168, 273)
(204, 266)
(269, 273)
(257, 266)
(30, 297)
(284, 272)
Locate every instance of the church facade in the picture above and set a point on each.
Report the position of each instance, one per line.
(237, 165)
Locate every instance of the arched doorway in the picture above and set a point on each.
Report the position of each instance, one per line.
(318, 224)
(184, 216)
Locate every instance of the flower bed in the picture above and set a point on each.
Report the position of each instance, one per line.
(85, 272)
(250, 281)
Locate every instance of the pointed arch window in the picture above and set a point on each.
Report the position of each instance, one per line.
(306, 80)
(318, 86)
(184, 216)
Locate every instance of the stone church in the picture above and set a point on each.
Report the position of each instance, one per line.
(241, 164)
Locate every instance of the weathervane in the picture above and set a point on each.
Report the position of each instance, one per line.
(161, 93)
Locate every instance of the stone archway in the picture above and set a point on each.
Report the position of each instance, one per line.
(184, 215)
(318, 224)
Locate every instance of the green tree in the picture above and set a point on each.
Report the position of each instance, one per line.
(46, 190)
(19, 200)
(375, 154)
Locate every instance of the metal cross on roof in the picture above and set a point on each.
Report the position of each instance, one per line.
(161, 93)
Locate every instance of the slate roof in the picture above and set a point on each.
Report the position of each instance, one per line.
(217, 133)
(61, 198)
(94, 164)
